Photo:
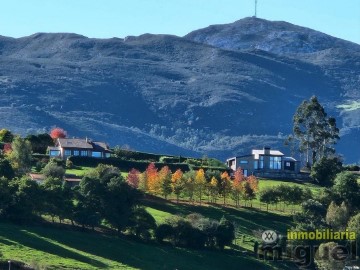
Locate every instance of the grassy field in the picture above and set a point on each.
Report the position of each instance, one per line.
(247, 220)
(46, 247)
(52, 248)
(49, 247)
(264, 183)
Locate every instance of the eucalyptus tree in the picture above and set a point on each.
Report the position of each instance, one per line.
(316, 132)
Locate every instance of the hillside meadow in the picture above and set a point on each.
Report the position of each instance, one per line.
(61, 247)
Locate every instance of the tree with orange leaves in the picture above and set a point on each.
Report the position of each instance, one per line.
(164, 179)
(177, 183)
(238, 186)
(253, 182)
(152, 179)
(57, 132)
(225, 185)
(251, 186)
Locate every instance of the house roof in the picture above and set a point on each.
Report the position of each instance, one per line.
(238, 157)
(100, 146)
(257, 153)
(82, 144)
(289, 159)
(75, 143)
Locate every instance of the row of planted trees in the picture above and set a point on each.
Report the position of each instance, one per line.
(195, 186)
(284, 194)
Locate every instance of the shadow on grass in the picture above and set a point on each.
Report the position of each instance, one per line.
(132, 253)
(12, 235)
(246, 219)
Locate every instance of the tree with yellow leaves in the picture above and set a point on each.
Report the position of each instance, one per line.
(225, 185)
(213, 189)
(164, 179)
(200, 184)
(189, 185)
(177, 183)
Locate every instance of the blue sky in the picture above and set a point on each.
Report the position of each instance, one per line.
(120, 18)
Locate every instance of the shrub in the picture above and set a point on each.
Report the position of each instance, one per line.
(225, 233)
(69, 164)
(164, 231)
(54, 169)
(141, 223)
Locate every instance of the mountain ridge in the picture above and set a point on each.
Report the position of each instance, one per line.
(170, 94)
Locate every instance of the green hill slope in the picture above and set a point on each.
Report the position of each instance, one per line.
(49, 248)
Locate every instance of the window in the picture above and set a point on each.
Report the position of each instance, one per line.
(244, 162)
(76, 153)
(107, 155)
(245, 172)
(256, 165)
(96, 154)
(287, 164)
(54, 153)
(275, 163)
(261, 164)
(67, 152)
(84, 153)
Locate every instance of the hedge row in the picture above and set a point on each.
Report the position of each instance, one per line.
(141, 156)
(125, 165)
(205, 168)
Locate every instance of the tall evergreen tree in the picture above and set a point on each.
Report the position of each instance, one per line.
(316, 132)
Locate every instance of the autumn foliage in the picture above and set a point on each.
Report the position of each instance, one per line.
(57, 132)
(133, 178)
(195, 184)
(7, 148)
(151, 173)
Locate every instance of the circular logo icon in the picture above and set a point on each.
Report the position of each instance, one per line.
(269, 236)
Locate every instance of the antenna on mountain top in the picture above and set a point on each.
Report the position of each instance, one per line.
(255, 8)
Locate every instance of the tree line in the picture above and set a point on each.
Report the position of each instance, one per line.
(195, 186)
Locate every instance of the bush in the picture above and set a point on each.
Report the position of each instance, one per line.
(188, 236)
(69, 164)
(54, 169)
(225, 233)
(164, 231)
(6, 170)
(141, 223)
(352, 168)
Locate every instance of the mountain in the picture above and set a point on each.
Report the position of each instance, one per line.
(218, 91)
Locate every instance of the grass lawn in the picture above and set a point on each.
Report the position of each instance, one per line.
(247, 220)
(50, 248)
(78, 171)
(264, 183)
(81, 171)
